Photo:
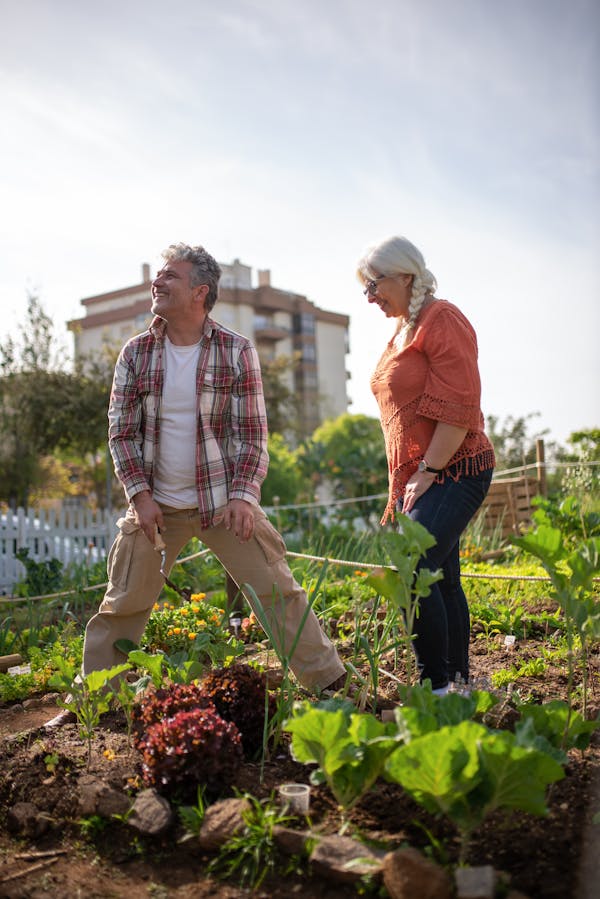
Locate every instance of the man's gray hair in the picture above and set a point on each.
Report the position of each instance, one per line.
(205, 268)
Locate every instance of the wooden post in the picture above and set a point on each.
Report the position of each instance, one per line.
(540, 461)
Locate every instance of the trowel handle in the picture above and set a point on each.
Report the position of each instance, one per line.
(159, 543)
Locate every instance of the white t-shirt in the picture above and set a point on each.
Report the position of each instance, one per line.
(175, 466)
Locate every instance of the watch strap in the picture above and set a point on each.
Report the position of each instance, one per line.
(423, 466)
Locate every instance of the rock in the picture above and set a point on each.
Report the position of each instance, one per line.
(25, 819)
(475, 883)
(151, 814)
(502, 716)
(345, 860)
(408, 874)
(221, 820)
(98, 798)
(292, 842)
(39, 702)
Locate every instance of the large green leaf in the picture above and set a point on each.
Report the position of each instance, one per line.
(440, 768)
(515, 777)
(545, 542)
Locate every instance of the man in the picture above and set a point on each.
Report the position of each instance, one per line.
(187, 433)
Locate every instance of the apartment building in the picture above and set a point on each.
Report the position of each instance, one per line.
(279, 322)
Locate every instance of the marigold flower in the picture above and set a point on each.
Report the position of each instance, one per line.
(192, 636)
(176, 630)
(156, 607)
(184, 612)
(198, 597)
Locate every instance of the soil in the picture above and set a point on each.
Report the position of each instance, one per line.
(555, 857)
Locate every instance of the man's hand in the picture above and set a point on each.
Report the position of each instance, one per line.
(148, 513)
(239, 518)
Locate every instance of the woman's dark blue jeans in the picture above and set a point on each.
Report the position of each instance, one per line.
(443, 625)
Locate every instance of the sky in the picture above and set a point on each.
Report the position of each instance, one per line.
(291, 134)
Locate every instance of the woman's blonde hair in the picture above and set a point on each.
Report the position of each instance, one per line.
(398, 256)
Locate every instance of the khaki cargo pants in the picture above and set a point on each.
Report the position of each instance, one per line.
(135, 583)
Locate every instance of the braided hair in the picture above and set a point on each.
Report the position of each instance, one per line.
(395, 256)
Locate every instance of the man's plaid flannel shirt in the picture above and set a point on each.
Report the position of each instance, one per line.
(231, 438)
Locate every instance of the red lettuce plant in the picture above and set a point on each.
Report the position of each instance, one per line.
(240, 694)
(164, 703)
(188, 749)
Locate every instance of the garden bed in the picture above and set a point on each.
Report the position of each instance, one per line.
(554, 857)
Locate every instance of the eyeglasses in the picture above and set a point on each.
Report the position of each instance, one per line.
(371, 286)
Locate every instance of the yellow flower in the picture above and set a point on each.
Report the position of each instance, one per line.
(201, 622)
(195, 608)
(176, 630)
(192, 636)
(183, 612)
(109, 754)
(198, 597)
(156, 607)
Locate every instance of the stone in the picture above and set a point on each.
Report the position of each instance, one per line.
(290, 841)
(25, 819)
(344, 860)
(408, 874)
(99, 798)
(221, 821)
(475, 883)
(150, 814)
(40, 702)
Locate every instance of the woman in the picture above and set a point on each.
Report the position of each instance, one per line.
(440, 461)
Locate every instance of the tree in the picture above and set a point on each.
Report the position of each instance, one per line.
(284, 479)
(349, 451)
(513, 445)
(283, 409)
(43, 406)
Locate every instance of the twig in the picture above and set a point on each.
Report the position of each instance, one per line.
(47, 854)
(44, 864)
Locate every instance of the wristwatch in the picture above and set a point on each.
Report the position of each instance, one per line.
(423, 466)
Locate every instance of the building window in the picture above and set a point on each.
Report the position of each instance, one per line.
(304, 323)
(309, 352)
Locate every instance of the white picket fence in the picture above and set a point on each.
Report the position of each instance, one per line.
(72, 535)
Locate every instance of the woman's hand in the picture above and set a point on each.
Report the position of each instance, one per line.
(416, 486)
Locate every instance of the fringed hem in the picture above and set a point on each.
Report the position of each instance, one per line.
(457, 468)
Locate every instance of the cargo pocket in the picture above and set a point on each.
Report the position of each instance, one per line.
(121, 552)
(270, 541)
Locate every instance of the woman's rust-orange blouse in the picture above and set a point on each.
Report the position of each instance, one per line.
(435, 377)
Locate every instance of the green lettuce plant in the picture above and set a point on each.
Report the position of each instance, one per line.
(554, 728)
(465, 772)
(349, 748)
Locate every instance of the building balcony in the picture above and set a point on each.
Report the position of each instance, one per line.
(270, 332)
